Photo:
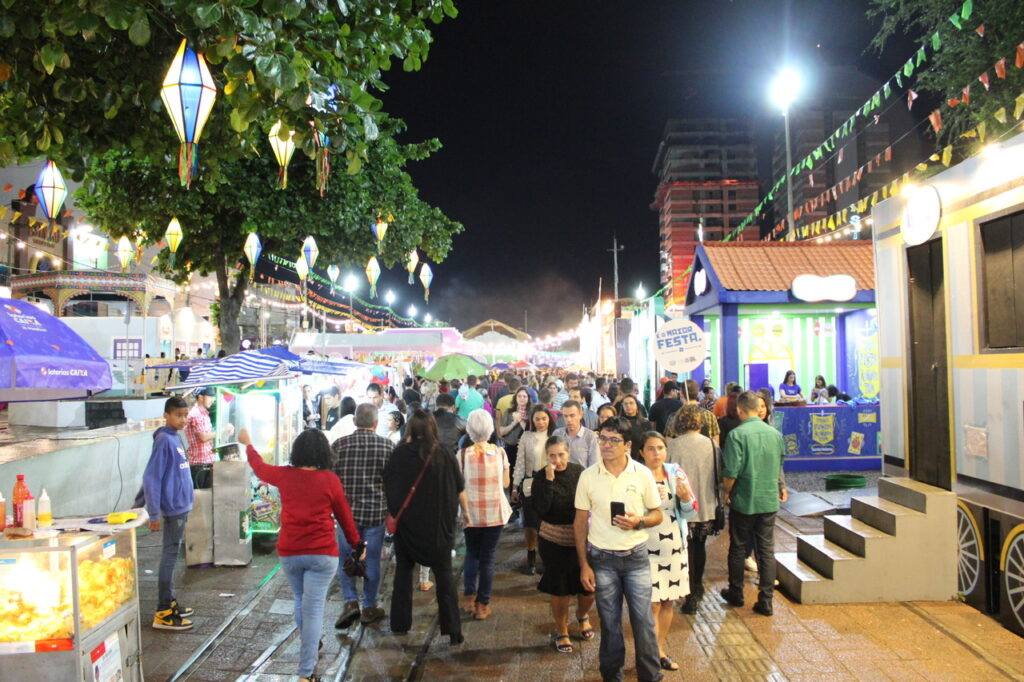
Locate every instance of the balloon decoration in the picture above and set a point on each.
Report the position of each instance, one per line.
(372, 274)
(125, 252)
(333, 271)
(253, 249)
(380, 228)
(51, 190)
(188, 94)
(323, 160)
(310, 252)
(414, 259)
(426, 276)
(282, 141)
(173, 237)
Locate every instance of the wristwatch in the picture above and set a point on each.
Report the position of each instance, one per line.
(640, 525)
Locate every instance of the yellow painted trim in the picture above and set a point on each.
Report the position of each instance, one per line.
(977, 532)
(975, 292)
(966, 214)
(989, 361)
(891, 363)
(1010, 537)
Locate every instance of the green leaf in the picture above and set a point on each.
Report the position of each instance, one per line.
(119, 14)
(449, 8)
(355, 164)
(370, 128)
(238, 66)
(208, 15)
(6, 26)
(343, 8)
(139, 31)
(51, 54)
(238, 122)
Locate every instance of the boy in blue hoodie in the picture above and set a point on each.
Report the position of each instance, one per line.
(168, 485)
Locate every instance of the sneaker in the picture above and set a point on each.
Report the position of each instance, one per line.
(735, 599)
(170, 619)
(750, 565)
(371, 614)
(690, 605)
(182, 610)
(349, 614)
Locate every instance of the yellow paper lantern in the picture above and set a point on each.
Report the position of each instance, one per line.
(125, 251)
(173, 237)
(282, 141)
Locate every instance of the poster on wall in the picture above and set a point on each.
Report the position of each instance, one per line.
(680, 345)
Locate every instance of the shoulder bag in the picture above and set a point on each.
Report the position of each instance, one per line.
(391, 522)
(718, 525)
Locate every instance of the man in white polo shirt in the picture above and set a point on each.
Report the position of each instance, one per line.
(616, 564)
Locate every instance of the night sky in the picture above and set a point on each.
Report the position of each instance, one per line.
(550, 113)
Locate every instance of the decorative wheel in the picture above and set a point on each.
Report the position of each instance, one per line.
(969, 554)
(1013, 577)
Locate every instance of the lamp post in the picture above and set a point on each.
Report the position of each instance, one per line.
(784, 90)
(350, 285)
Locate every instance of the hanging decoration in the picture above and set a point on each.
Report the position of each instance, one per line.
(414, 260)
(188, 94)
(51, 191)
(310, 252)
(173, 237)
(372, 274)
(125, 252)
(323, 158)
(282, 141)
(333, 271)
(253, 248)
(380, 228)
(426, 277)
(301, 269)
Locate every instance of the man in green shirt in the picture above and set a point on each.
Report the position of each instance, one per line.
(753, 490)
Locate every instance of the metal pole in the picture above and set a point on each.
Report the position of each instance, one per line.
(789, 179)
(615, 264)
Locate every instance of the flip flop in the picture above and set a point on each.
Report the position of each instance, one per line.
(668, 664)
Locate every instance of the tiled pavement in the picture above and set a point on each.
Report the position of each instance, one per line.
(903, 641)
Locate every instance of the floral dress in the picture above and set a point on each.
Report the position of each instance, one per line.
(666, 545)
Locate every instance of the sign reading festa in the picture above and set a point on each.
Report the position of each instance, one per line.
(680, 345)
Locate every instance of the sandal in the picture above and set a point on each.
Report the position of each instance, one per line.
(426, 587)
(563, 648)
(586, 633)
(668, 664)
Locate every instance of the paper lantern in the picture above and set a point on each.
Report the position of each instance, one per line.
(51, 190)
(333, 271)
(188, 94)
(372, 274)
(253, 248)
(380, 228)
(125, 251)
(414, 259)
(173, 237)
(282, 141)
(301, 269)
(310, 252)
(426, 277)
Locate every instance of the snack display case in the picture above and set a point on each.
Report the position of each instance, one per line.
(69, 608)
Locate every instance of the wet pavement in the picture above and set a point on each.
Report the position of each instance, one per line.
(249, 635)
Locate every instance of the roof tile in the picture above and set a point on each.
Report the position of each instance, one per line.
(764, 266)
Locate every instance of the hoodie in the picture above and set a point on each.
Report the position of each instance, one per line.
(167, 479)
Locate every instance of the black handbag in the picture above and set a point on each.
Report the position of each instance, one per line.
(355, 567)
(718, 525)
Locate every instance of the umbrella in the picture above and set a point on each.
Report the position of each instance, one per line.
(501, 365)
(544, 365)
(454, 366)
(41, 358)
(521, 364)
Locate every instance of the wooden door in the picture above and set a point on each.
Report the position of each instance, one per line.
(930, 460)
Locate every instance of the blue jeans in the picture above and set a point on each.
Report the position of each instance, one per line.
(626, 576)
(373, 536)
(310, 576)
(481, 545)
(174, 531)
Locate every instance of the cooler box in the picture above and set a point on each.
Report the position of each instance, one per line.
(232, 497)
(199, 530)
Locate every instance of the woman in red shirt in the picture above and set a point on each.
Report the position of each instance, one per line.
(311, 498)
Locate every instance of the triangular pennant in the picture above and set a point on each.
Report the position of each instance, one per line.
(876, 101)
(1019, 61)
(1018, 106)
(921, 166)
(810, 179)
(966, 9)
(886, 90)
(859, 174)
(17, 216)
(973, 132)
(831, 222)
(899, 78)
(1000, 115)
(871, 165)
(980, 30)
(888, 153)
(984, 79)
(877, 119)
(885, 191)
(947, 155)
(982, 128)
(952, 103)
(955, 20)
(921, 56)
(908, 68)
(936, 41)
(966, 92)
(1000, 68)
(911, 96)
(842, 152)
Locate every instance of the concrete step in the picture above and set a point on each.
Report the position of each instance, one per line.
(798, 580)
(909, 493)
(853, 535)
(824, 556)
(882, 514)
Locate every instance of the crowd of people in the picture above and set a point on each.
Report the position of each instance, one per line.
(616, 501)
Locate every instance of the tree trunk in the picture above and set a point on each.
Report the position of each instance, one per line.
(230, 301)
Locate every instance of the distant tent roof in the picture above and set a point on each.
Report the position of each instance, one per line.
(495, 326)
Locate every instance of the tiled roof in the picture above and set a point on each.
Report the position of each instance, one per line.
(766, 266)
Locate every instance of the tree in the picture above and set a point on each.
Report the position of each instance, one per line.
(131, 197)
(81, 77)
(963, 56)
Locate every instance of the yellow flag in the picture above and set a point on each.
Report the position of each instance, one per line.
(981, 130)
(947, 155)
(832, 222)
(971, 133)
(1018, 106)
(922, 166)
(1000, 115)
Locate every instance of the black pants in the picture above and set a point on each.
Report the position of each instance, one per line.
(202, 476)
(401, 595)
(697, 557)
(757, 530)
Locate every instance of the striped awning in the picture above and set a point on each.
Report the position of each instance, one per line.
(238, 368)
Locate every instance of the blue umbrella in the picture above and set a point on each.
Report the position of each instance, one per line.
(41, 358)
(501, 365)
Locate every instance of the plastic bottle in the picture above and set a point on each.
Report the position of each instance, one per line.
(28, 512)
(43, 513)
(3, 512)
(18, 497)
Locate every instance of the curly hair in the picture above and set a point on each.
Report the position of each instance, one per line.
(688, 418)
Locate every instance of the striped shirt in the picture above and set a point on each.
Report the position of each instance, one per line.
(484, 466)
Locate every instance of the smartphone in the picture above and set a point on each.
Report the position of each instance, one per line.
(618, 509)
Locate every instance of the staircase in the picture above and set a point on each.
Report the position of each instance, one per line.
(898, 546)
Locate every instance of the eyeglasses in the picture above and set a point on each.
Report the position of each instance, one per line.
(613, 441)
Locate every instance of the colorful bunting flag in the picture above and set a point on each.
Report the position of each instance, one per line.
(1019, 62)
(1018, 106)
(966, 92)
(947, 155)
(984, 79)
(936, 41)
(982, 128)
(980, 30)
(1000, 68)
(966, 9)
(1000, 115)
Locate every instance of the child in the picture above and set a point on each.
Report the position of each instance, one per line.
(168, 485)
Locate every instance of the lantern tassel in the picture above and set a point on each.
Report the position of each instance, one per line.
(323, 162)
(373, 291)
(411, 281)
(282, 177)
(188, 163)
(426, 294)
(252, 272)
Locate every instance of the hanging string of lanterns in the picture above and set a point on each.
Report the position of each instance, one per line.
(372, 274)
(188, 94)
(253, 248)
(414, 259)
(173, 237)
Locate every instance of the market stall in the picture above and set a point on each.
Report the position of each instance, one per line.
(841, 437)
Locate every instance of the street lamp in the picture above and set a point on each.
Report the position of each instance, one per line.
(389, 297)
(640, 292)
(428, 318)
(412, 311)
(784, 91)
(350, 285)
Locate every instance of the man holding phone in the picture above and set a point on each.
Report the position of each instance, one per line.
(616, 499)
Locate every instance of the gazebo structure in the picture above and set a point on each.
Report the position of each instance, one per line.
(64, 286)
(497, 341)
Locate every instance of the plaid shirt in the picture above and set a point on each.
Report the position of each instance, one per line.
(199, 452)
(359, 460)
(710, 428)
(483, 466)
